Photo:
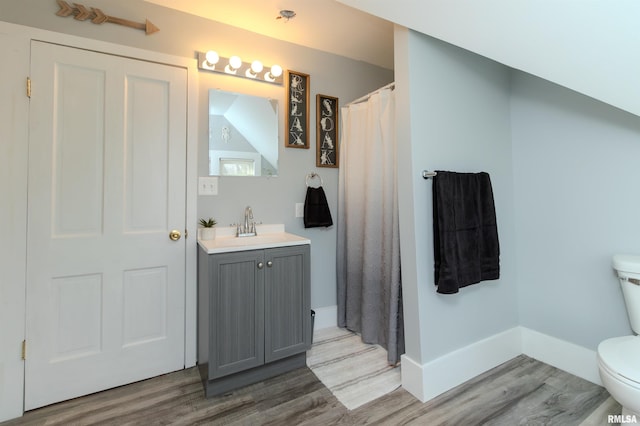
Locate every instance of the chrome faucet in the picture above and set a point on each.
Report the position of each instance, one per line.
(249, 227)
(248, 215)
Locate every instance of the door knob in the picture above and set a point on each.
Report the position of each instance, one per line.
(174, 235)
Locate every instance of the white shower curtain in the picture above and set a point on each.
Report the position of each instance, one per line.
(368, 252)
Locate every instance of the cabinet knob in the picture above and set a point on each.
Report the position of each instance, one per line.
(260, 265)
(269, 264)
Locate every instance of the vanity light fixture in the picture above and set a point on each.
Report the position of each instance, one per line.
(211, 61)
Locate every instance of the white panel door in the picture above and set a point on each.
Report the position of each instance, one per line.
(105, 283)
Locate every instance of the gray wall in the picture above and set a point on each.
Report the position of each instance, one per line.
(456, 107)
(564, 172)
(576, 180)
(272, 199)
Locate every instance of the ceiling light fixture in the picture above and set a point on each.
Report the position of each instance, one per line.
(211, 61)
(286, 14)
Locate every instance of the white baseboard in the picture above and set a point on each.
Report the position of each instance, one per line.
(438, 376)
(412, 377)
(326, 317)
(429, 380)
(572, 358)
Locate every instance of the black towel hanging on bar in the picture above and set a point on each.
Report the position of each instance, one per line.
(316, 207)
(466, 247)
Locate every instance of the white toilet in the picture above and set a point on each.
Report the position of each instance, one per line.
(619, 357)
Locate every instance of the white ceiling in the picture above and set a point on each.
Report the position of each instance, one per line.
(320, 24)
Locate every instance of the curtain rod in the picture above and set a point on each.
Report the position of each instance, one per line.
(391, 85)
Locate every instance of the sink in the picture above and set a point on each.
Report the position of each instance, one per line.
(269, 236)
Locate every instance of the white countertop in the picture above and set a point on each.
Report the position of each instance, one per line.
(269, 236)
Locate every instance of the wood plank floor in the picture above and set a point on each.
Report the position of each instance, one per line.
(521, 391)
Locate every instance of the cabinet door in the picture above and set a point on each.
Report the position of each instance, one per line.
(237, 312)
(287, 302)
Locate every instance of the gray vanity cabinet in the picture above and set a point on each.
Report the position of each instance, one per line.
(236, 312)
(253, 315)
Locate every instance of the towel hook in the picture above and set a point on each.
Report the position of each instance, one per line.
(313, 175)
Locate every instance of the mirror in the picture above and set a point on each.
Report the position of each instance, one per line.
(243, 135)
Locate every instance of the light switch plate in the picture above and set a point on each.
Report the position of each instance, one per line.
(299, 209)
(208, 185)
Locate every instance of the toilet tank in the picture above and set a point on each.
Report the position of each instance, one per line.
(628, 269)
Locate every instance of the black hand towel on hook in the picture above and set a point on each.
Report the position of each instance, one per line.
(316, 207)
(466, 248)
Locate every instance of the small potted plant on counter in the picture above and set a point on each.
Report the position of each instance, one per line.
(208, 232)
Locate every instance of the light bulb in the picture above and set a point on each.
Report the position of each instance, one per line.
(235, 62)
(212, 58)
(276, 71)
(256, 67)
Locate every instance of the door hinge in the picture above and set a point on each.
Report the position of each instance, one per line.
(28, 87)
(24, 350)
